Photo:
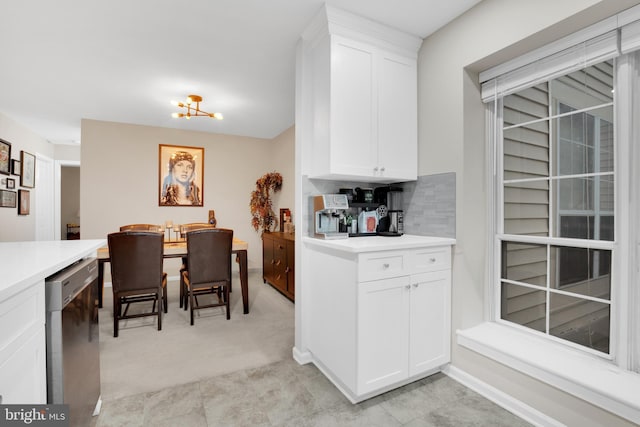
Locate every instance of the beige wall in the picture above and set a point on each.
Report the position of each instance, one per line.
(119, 178)
(20, 227)
(283, 162)
(452, 139)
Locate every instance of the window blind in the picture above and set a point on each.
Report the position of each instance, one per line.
(577, 57)
(630, 37)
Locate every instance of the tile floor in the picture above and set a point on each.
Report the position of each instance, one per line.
(287, 394)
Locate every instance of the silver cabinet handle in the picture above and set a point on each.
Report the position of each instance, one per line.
(382, 169)
(375, 169)
(415, 285)
(385, 265)
(432, 260)
(408, 287)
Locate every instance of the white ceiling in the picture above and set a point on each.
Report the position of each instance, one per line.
(125, 60)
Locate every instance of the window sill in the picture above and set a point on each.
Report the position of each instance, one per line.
(596, 381)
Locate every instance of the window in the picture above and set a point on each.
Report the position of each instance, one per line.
(563, 153)
(557, 219)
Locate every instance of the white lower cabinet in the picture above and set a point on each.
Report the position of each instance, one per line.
(23, 376)
(379, 319)
(403, 328)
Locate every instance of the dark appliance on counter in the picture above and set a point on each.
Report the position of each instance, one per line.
(363, 195)
(391, 215)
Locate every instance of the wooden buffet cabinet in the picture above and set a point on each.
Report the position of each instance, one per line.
(278, 262)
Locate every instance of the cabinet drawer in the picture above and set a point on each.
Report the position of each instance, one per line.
(429, 259)
(381, 265)
(386, 264)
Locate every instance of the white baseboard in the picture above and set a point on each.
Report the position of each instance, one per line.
(501, 399)
(301, 357)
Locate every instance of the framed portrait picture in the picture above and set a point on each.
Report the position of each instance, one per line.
(5, 157)
(15, 167)
(11, 183)
(181, 176)
(27, 169)
(24, 200)
(7, 199)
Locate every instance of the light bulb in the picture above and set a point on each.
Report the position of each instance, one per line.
(189, 100)
(217, 116)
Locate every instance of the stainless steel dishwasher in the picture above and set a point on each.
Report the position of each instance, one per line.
(73, 347)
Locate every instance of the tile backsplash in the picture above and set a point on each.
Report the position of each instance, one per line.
(429, 203)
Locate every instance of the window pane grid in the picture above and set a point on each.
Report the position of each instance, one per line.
(556, 207)
(555, 291)
(557, 116)
(530, 296)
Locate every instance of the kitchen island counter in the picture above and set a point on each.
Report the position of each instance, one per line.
(25, 263)
(25, 266)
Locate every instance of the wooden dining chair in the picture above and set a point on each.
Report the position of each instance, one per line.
(184, 229)
(209, 259)
(136, 274)
(140, 227)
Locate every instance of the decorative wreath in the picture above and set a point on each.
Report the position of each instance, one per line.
(262, 215)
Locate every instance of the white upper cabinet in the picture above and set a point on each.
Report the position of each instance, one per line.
(357, 82)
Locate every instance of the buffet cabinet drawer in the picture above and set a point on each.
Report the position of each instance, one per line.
(386, 264)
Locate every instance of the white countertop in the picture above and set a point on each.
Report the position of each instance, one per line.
(378, 243)
(25, 263)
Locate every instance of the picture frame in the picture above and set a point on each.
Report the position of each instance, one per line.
(180, 175)
(27, 170)
(7, 199)
(5, 157)
(24, 202)
(284, 214)
(11, 183)
(15, 167)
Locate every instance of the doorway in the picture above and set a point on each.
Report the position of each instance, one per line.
(67, 218)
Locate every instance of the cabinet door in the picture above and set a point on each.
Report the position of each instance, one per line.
(397, 117)
(267, 258)
(23, 374)
(291, 263)
(280, 264)
(353, 148)
(429, 326)
(383, 336)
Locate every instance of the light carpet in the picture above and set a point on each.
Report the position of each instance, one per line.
(143, 359)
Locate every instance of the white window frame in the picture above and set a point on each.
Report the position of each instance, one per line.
(609, 384)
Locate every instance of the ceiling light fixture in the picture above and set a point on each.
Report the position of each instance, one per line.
(193, 111)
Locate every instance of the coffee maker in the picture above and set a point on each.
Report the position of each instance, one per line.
(326, 217)
(389, 199)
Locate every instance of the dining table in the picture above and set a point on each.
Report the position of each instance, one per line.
(178, 249)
